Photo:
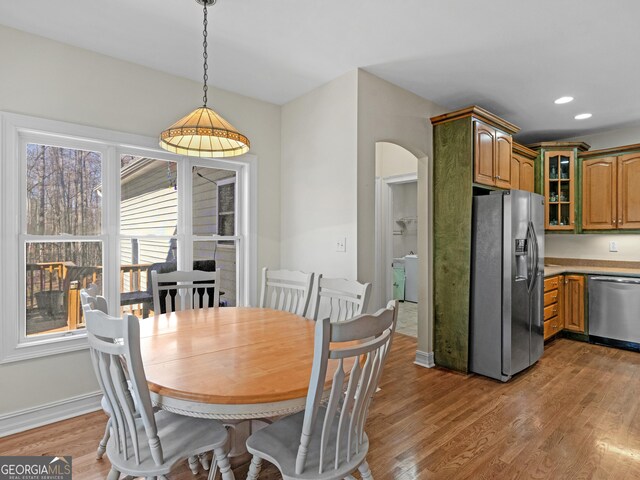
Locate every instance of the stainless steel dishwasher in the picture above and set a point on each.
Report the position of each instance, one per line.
(614, 308)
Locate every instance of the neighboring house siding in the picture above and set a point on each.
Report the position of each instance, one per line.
(149, 206)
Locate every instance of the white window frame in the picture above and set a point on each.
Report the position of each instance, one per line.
(17, 129)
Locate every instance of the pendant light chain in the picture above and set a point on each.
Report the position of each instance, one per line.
(205, 56)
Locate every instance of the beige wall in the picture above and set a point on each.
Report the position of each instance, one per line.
(593, 247)
(391, 114)
(48, 79)
(318, 178)
(392, 159)
(612, 138)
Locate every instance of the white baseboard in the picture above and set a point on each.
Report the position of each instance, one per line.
(29, 418)
(424, 359)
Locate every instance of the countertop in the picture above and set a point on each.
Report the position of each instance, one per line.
(550, 270)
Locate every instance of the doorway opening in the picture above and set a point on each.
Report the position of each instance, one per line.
(397, 233)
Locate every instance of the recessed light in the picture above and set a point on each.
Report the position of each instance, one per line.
(562, 100)
(583, 116)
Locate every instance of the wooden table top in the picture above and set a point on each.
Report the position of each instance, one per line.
(228, 355)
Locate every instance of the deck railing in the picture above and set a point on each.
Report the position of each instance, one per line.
(54, 287)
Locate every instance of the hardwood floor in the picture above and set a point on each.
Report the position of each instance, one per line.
(574, 415)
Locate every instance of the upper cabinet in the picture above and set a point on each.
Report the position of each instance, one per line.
(522, 168)
(559, 187)
(484, 155)
(599, 193)
(502, 165)
(629, 191)
(492, 156)
(610, 193)
(559, 183)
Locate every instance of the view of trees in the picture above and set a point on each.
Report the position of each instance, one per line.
(63, 197)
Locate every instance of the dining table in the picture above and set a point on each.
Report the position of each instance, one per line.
(235, 364)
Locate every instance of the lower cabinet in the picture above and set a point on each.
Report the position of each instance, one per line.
(574, 303)
(553, 312)
(563, 304)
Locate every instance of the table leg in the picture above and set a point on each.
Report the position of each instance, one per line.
(238, 434)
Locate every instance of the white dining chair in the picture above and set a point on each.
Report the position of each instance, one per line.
(332, 441)
(90, 300)
(144, 442)
(340, 299)
(181, 290)
(286, 290)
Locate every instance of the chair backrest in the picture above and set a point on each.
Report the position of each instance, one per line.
(115, 352)
(369, 340)
(286, 290)
(90, 299)
(180, 290)
(340, 299)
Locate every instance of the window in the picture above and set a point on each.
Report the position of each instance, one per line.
(149, 206)
(215, 244)
(80, 205)
(63, 201)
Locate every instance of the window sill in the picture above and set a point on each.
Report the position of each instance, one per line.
(43, 348)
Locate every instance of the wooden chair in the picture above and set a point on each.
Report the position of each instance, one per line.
(180, 290)
(143, 442)
(90, 300)
(286, 290)
(340, 299)
(332, 442)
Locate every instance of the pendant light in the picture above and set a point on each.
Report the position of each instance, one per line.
(203, 132)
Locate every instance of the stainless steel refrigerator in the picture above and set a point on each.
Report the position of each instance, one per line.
(507, 283)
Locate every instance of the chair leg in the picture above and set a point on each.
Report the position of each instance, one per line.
(365, 471)
(223, 464)
(254, 468)
(204, 460)
(193, 464)
(102, 446)
(113, 474)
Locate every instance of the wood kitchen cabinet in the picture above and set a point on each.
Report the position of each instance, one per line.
(611, 193)
(558, 182)
(553, 302)
(629, 191)
(522, 168)
(574, 303)
(599, 193)
(492, 157)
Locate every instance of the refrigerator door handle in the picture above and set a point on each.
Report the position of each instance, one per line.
(532, 257)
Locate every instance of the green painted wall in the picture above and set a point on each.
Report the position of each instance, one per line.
(453, 197)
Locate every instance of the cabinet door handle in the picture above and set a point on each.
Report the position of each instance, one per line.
(498, 177)
(620, 220)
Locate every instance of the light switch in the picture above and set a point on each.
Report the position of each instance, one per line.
(341, 245)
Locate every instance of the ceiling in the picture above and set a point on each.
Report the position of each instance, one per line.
(511, 57)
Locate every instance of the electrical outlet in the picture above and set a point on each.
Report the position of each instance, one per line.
(341, 245)
(613, 246)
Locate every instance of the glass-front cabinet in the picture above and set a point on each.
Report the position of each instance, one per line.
(559, 188)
